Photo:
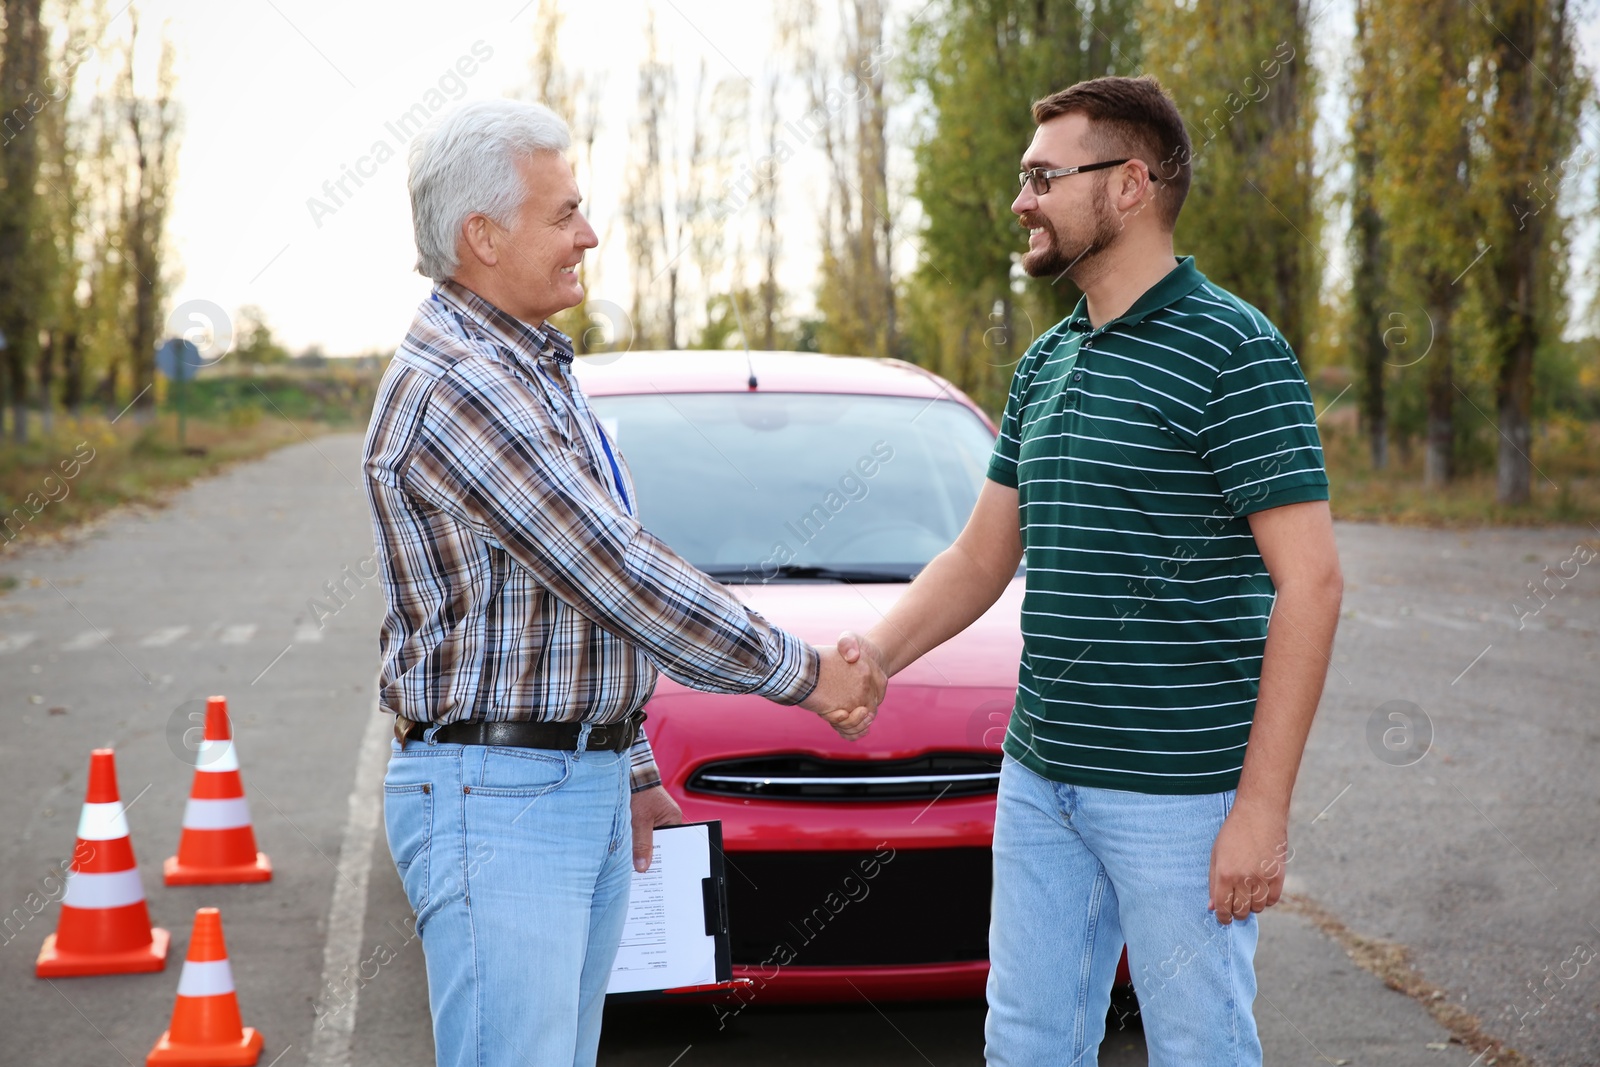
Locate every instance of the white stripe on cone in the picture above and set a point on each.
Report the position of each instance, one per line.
(216, 814)
(210, 979)
(114, 890)
(216, 756)
(102, 822)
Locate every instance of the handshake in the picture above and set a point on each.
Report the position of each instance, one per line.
(850, 685)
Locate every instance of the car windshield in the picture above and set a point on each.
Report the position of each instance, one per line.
(759, 487)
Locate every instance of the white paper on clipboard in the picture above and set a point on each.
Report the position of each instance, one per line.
(664, 942)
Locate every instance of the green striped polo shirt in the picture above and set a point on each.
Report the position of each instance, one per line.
(1137, 448)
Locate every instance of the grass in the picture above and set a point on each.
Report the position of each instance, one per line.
(1566, 479)
(88, 466)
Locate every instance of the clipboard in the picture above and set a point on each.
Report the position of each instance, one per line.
(675, 938)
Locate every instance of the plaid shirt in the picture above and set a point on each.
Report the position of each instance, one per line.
(520, 584)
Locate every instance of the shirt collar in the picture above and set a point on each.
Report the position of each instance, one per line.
(530, 342)
(1176, 284)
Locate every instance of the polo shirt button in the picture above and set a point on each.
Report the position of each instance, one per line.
(1077, 376)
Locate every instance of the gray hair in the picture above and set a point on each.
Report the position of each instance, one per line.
(466, 162)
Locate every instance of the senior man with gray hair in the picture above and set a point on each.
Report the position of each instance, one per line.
(529, 611)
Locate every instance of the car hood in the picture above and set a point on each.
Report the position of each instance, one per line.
(957, 697)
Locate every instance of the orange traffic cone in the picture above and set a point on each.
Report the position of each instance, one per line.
(105, 926)
(217, 844)
(205, 1030)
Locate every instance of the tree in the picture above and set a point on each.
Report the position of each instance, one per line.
(21, 100)
(769, 239)
(1369, 263)
(256, 346)
(1416, 77)
(848, 114)
(1530, 132)
(153, 129)
(576, 97)
(1240, 76)
(975, 68)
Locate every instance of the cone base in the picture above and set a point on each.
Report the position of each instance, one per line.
(241, 1053)
(175, 874)
(53, 963)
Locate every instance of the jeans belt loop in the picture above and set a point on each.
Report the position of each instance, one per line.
(429, 731)
(583, 739)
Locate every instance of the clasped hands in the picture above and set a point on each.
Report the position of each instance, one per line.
(850, 686)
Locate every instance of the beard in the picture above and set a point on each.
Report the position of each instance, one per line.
(1075, 255)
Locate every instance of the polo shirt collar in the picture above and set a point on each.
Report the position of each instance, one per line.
(528, 342)
(1176, 284)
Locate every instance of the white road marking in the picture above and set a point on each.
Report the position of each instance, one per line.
(163, 637)
(14, 642)
(86, 640)
(238, 635)
(1445, 621)
(307, 633)
(347, 914)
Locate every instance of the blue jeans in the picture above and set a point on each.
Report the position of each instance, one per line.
(518, 863)
(1079, 870)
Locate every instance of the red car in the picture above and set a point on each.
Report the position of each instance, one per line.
(816, 487)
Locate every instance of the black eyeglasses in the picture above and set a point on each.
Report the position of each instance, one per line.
(1041, 177)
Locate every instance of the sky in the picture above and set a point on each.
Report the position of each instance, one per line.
(284, 98)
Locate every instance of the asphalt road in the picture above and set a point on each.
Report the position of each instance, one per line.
(1476, 851)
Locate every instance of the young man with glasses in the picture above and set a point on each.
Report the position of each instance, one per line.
(1159, 466)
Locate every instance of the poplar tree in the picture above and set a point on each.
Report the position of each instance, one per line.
(1242, 80)
(974, 70)
(1417, 80)
(1530, 132)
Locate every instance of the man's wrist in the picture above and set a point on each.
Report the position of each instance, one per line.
(1261, 803)
(883, 648)
(797, 673)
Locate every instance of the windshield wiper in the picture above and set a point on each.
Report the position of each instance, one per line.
(756, 573)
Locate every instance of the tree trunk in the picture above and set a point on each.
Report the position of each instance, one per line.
(672, 308)
(1439, 448)
(1514, 469)
(47, 400)
(1366, 289)
(20, 101)
(71, 373)
(1528, 129)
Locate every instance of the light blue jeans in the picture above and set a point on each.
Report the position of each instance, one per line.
(518, 863)
(1078, 870)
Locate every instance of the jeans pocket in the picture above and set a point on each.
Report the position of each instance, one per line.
(408, 824)
(527, 773)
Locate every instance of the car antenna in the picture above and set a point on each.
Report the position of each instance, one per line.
(748, 362)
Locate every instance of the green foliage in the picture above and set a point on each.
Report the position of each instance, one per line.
(333, 396)
(975, 67)
(1240, 75)
(1464, 127)
(254, 344)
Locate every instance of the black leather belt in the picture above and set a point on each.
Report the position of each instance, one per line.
(610, 737)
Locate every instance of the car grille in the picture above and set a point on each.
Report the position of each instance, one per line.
(859, 909)
(955, 774)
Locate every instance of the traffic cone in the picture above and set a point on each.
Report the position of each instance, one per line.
(205, 1030)
(105, 926)
(217, 844)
